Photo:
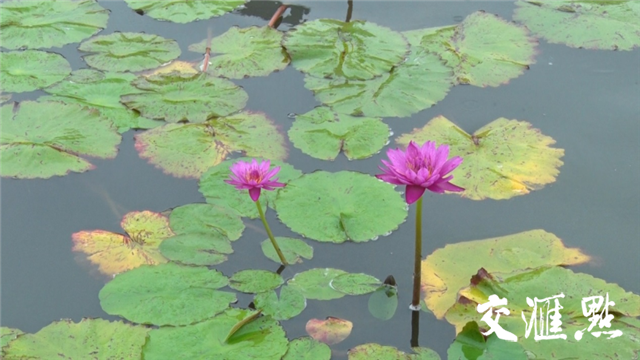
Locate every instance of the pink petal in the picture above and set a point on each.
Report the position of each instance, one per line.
(390, 179)
(413, 193)
(272, 173)
(254, 193)
(441, 187)
(450, 165)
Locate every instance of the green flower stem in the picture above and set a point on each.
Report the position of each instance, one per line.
(273, 240)
(415, 303)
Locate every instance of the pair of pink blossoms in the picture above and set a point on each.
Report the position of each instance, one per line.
(420, 168)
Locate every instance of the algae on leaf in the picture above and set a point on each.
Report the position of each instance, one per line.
(45, 139)
(48, 23)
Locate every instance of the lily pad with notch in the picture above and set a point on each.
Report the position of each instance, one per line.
(357, 50)
(608, 25)
(206, 219)
(316, 283)
(49, 23)
(183, 11)
(116, 253)
(189, 150)
(128, 51)
(323, 134)
(355, 284)
(31, 70)
(503, 159)
(177, 97)
(45, 139)
(197, 248)
(347, 206)
(166, 294)
(290, 304)
(330, 331)
(245, 52)
(255, 281)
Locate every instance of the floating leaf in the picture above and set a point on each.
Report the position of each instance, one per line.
(255, 281)
(355, 284)
(219, 193)
(184, 11)
(88, 339)
(31, 70)
(128, 51)
(547, 282)
(167, 294)
(189, 150)
(315, 283)
(4, 98)
(414, 85)
(424, 354)
(48, 23)
(376, 351)
(206, 219)
(290, 304)
(179, 66)
(306, 348)
(35, 147)
(355, 50)
(197, 249)
(252, 51)
(383, 303)
(292, 249)
(321, 133)
(448, 270)
(7, 335)
(347, 206)
(471, 344)
(116, 253)
(483, 50)
(247, 319)
(612, 25)
(504, 158)
(177, 97)
(102, 91)
(262, 338)
(330, 331)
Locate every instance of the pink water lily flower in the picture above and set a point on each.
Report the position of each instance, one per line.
(254, 176)
(420, 168)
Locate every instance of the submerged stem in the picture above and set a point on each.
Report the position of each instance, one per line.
(415, 302)
(273, 240)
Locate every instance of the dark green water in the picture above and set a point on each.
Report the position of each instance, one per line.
(586, 100)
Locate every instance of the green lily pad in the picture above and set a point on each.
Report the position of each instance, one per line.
(255, 281)
(49, 23)
(447, 270)
(306, 348)
(483, 50)
(88, 339)
(503, 159)
(290, 304)
(35, 147)
(292, 249)
(189, 150)
(316, 283)
(471, 344)
(206, 219)
(219, 193)
(116, 253)
(346, 206)
(7, 335)
(128, 51)
(184, 11)
(548, 282)
(383, 302)
(167, 294)
(177, 97)
(613, 25)
(357, 50)
(414, 85)
(376, 351)
(31, 70)
(4, 98)
(330, 331)
(321, 133)
(102, 91)
(355, 284)
(252, 51)
(197, 248)
(262, 338)
(422, 353)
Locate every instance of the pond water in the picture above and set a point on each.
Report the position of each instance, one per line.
(587, 100)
